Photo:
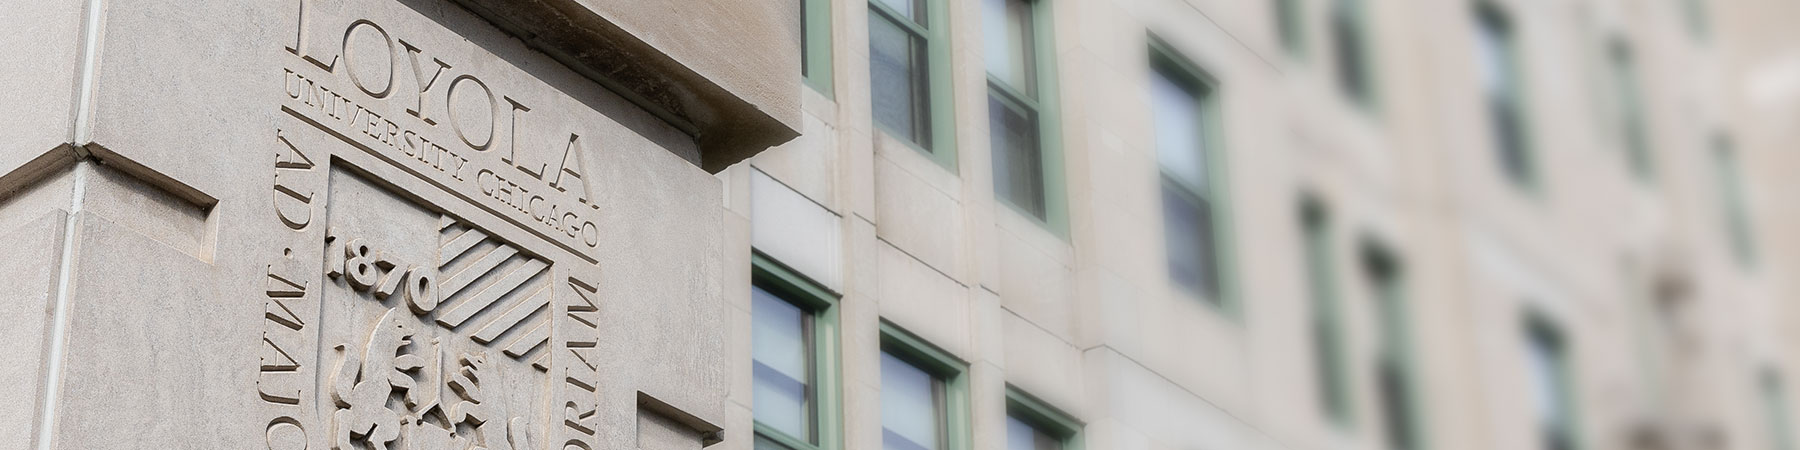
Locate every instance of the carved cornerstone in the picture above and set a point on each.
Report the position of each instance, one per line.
(436, 288)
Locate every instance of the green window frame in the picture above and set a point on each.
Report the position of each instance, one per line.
(826, 405)
(1403, 419)
(1290, 26)
(1352, 51)
(1327, 328)
(1778, 418)
(933, 94)
(1733, 201)
(1043, 418)
(815, 45)
(947, 369)
(1498, 51)
(1209, 199)
(1549, 348)
(1036, 192)
(1628, 100)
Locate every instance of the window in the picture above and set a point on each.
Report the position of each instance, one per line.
(1698, 20)
(908, 71)
(912, 407)
(1019, 120)
(1290, 27)
(781, 337)
(1775, 412)
(1192, 197)
(1393, 364)
(1020, 435)
(1350, 45)
(1033, 425)
(815, 44)
(1551, 398)
(1496, 48)
(793, 353)
(1327, 332)
(924, 395)
(1735, 209)
(1628, 104)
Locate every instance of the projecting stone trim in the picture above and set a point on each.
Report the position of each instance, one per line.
(734, 88)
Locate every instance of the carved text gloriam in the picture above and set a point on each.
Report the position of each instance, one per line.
(478, 329)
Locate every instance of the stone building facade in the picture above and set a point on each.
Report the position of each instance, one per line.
(902, 224)
(1493, 224)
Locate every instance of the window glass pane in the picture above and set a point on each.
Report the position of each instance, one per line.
(1491, 48)
(898, 78)
(1509, 136)
(911, 415)
(1634, 133)
(1734, 204)
(1180, 134)
(1623, 79)
(1396, 403)
(1187, 221)
(1332, 395)
(1505, 120)
(1288, 26)
(1776, 414)
(1696, 13)
(1347, 39)
(1018, 160)
(1550, 390)
(1394, 380)
(1022, 436)
(781, 353)
(911, 9)
(1545, 382)
(1327, 341)
(1008, 43)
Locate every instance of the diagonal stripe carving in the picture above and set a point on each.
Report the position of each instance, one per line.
(493, 291)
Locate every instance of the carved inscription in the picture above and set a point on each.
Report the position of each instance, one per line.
(286, 375)
(429, 195)
(396, 98)
(580, 370)
(486, 275)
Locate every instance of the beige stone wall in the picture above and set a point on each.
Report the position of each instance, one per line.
(370, 223)
(1091, 324)
(184, 187)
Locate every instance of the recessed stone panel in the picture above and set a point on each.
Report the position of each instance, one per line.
(404, 323)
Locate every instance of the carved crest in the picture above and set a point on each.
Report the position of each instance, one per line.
(365, 381)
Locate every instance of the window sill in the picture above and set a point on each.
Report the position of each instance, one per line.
(1034, 232)
(917, 162)
(1225, 308)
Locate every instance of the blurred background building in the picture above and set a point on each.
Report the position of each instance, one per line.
(1274, 224)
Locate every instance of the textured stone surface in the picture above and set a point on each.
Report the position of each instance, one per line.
(367, 224)
(32, 270)
(39, 96)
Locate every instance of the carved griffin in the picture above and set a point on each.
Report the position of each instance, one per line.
(361, 386)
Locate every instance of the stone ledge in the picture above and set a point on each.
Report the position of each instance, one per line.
(723, 71)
